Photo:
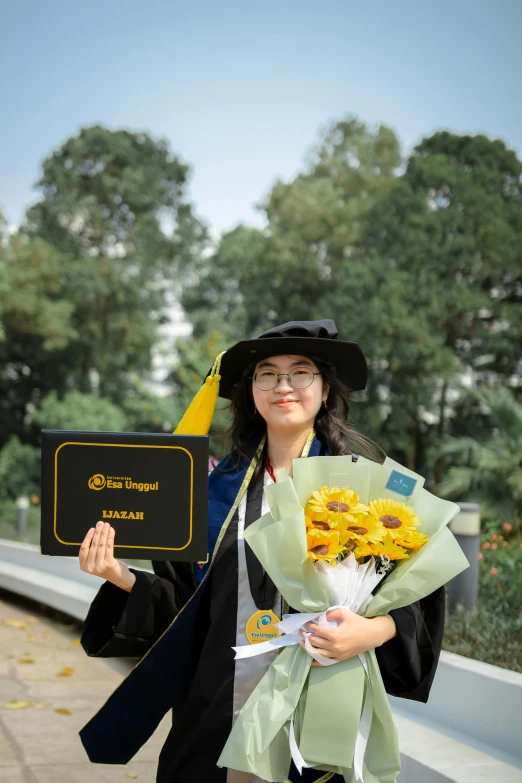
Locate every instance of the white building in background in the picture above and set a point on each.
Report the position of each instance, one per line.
(164, 354)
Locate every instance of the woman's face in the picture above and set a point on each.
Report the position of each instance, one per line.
(286, 408)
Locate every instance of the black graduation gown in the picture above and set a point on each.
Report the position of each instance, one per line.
(195, 677)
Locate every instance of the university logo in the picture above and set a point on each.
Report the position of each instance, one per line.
(97, 481)
(264, 620)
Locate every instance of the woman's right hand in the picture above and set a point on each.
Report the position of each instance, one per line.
(97, 557)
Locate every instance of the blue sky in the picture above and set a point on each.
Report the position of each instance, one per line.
(241, 90)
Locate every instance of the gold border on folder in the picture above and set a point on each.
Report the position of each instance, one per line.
(124, 446)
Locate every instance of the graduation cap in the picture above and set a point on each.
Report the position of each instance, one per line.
(305, 338)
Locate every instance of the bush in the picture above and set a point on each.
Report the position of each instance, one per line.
(8, 521)
(78, 411)
(146, 412)
(493, 633)
(19, 469)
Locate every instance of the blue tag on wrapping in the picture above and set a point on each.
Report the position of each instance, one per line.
(401, 484)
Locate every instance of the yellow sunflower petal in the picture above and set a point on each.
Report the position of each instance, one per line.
(388, 548)
(396, 517)
(364, 550)
(412, 539)
(323, 545)
(338, 506)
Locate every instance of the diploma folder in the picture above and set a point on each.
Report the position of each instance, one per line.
(152, 488)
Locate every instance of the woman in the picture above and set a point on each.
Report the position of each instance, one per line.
(289, 394)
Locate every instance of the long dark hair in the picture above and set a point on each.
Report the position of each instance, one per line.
(330, 422)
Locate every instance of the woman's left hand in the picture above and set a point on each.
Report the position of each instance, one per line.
(353, 635)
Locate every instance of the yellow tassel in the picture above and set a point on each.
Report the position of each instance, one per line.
(198, 416)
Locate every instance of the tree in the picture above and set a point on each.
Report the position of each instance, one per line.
(489, 471)
(377, 307)
(19, 469)
(146, 412)
(228, 290)
(77, 411)
(255, 278)
(30, 302)
(114, 202)
(446, 239)
(36, 326)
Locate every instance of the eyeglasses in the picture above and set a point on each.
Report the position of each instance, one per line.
(265, 380)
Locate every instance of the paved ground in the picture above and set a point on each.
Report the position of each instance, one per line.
(49, 689)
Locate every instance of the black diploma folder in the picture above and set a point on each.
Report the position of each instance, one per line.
(151, 488)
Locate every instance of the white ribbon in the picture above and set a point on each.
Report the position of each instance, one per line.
(290, 626)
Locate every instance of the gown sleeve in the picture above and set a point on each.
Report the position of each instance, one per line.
(408, 662)
(126, 624)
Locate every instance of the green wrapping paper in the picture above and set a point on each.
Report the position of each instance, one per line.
(326, 702)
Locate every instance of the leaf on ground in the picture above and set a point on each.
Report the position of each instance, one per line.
(132, 776)
(31, 638)
(63, 711)
(16, 704)
(26, 659)
(15, 624)
(31, 619)
(66, 671)
(77, 642)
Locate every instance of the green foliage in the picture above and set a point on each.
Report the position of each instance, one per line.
(145, 412)
(228, 290)
(30, 279)
(104, 193)
(256, 279)
(36, 323)
(8, 514)
(77, 411)
(90, 277)
(486, 636)
(432, 298)
(489, 472)
(196, 356)
(493, 633)
(19, 469)
(105, 196)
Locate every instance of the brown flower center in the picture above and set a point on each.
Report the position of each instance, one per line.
(340, 508)
(322, 525)
(322, 549)
(360, 531)
(391, 522)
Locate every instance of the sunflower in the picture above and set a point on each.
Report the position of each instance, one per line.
(397, 518)
(366, 529)
(412, 539)
(334, 506)
(386, 548)
(363, 550)
(315, 524)
(323, 545)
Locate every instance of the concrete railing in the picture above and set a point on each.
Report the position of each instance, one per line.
(469, 732)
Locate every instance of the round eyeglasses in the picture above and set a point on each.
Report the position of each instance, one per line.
(265, 380)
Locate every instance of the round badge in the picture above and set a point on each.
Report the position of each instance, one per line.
(261, 627)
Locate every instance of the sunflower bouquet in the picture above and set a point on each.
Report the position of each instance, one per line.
(334, 531)
(361, 543)
(337, 524)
